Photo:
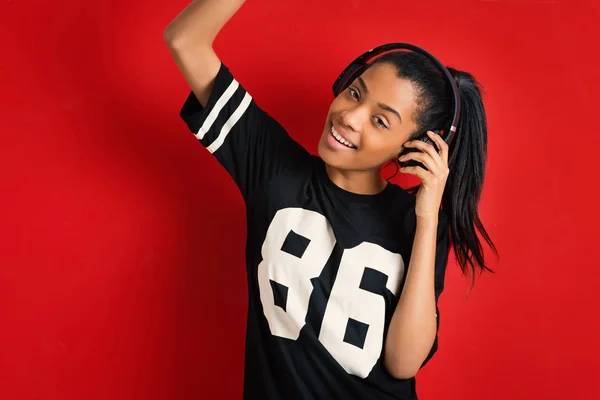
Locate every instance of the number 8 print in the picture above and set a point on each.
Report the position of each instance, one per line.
(352, 301)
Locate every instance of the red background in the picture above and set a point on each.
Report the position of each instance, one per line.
(122, 259)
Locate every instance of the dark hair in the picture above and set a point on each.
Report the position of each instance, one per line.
(468, 151)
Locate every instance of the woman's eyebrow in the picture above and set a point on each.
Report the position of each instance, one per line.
(385, 107)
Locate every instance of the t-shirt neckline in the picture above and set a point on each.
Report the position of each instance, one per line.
(348, 196)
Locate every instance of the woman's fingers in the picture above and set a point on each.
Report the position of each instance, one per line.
(436, 161)
(417, 171)
(441, 145)
(423, 158)
(424, 147)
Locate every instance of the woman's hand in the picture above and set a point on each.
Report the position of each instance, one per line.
(430, 193)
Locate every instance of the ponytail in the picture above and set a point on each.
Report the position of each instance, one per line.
(467, 162)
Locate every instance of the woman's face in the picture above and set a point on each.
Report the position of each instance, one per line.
(373, 117)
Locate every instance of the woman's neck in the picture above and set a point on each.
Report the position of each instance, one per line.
(359, 182)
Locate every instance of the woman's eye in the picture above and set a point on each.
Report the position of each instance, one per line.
(380, 123)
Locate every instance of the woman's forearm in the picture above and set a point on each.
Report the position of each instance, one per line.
(200, 22)
(413, 326)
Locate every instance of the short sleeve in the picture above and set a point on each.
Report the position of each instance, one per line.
(251, 145)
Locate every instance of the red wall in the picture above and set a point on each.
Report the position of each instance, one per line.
(122, 256)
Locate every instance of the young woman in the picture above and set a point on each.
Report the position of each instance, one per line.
(344, 268)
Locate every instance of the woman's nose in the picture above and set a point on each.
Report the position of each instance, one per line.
(354, 118)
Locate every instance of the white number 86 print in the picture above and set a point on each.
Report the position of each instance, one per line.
(347, 301)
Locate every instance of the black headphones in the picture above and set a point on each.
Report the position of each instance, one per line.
(362, 62)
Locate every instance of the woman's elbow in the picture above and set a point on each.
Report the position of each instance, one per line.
(402, 369)
(170, 37)
(175, 38)
(403, 366)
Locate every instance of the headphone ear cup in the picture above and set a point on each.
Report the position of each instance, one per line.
(411, 163)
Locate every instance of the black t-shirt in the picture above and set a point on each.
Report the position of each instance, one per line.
(325, 266)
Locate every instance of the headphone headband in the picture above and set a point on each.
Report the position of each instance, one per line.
(362, 62)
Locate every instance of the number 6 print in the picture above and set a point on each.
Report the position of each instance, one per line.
(296, 248)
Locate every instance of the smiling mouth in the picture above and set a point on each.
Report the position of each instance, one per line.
(339, 138)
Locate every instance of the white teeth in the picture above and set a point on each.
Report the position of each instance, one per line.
(340, 139)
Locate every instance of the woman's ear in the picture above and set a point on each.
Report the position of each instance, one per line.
(401, 152)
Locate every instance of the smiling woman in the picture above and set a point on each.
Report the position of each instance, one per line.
(344, 268)
(368, 115)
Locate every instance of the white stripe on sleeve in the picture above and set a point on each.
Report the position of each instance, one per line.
(230, 123)
(214, 113)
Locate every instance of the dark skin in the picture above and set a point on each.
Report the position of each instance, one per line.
(374, 117)
(375, 114)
